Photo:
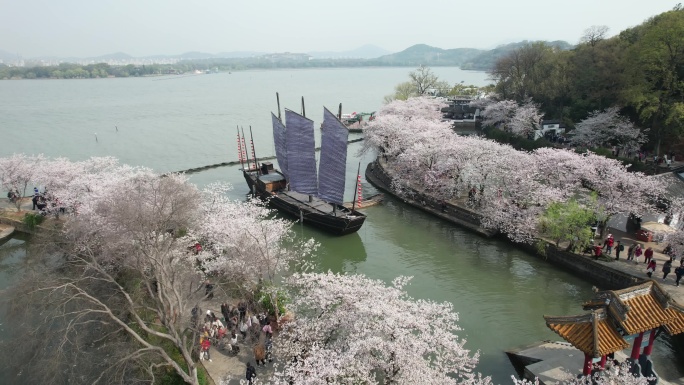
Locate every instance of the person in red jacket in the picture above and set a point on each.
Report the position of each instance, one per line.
(598, 250)
(650, 268)
(205, 344)
(648, 254)
(609, 244)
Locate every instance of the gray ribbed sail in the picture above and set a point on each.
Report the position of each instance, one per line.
(332, 170)
(280, 144)
(301, 153)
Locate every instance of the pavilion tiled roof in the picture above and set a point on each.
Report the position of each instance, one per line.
(618, 313)
(640, 308)
(591, 333)
(676, 326)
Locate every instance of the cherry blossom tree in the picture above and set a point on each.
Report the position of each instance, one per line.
(71, 184)
(508, 115)
(243, 245)
(17, 172)
(138, 236)
(499, 114)
(608, 128)
(526, 120)
(676, 242)
(483, 101)
(352, 329)
(513, 188)
(129, 268)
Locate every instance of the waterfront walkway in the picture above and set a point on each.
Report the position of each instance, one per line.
(638, 268)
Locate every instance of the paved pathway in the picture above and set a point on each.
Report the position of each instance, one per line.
(638, 268)
(5, 231)
(230, 367)
(5, 204)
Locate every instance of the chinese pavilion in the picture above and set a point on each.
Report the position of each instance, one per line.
(619, 318)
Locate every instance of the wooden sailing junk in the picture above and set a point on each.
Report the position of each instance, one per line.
(297, 189)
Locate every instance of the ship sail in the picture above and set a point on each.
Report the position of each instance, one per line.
(301, 153)
(332, 169)
(280, 144)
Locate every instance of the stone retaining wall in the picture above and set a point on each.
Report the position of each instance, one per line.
(585, 267)
(378, 177)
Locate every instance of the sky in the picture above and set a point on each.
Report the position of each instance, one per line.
(85, 28)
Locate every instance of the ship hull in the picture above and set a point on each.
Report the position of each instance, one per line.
(313, 212)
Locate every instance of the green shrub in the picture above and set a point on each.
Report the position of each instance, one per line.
(264, 298)
(31, 220)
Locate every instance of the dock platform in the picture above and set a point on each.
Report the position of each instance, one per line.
(554, 362)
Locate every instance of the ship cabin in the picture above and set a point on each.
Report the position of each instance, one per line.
(270, 180)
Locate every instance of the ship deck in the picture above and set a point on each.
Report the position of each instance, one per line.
(302, 201)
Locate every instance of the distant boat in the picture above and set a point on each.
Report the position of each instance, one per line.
(355, 122)
(297, 189)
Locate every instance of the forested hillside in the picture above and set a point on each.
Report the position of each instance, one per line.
(641, 71)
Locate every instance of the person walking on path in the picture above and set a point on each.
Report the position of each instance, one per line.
(225, 312)
(242, 308)
(609, 244)
(35, 198)
(648, 255)
(618, 248)
(250, 374)
(630, 252)
(637, 252)
(678, 273)
(260, 354)
(205, 344)
(650, 268)
(667, 267)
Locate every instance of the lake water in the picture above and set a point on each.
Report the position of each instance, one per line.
(175, 123)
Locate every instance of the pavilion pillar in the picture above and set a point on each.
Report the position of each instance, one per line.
(586, 370)
(651, 338)
(603, 362)
(636, 348)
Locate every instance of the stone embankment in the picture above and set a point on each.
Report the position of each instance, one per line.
(5, 231)
(450, 211)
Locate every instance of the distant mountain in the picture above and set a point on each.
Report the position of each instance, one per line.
(428, 55)
(367, 51)
(367, 55)
(486, 60)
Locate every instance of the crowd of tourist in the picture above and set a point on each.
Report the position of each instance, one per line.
(635, 251)
(237, 323)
